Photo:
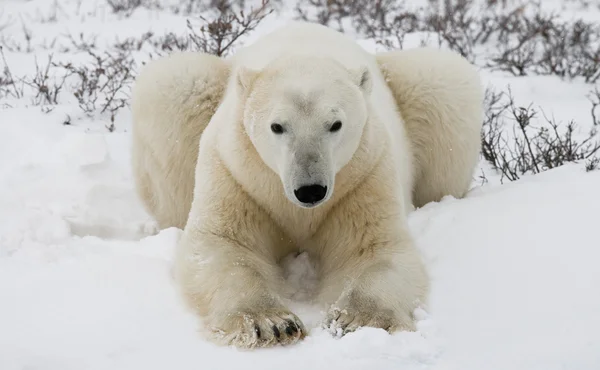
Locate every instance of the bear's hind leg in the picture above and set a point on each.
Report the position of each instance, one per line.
(440, 98)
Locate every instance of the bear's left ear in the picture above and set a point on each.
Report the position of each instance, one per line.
(362, 77)
(245, 77)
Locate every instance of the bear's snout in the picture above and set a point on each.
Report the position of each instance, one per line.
(311, 194)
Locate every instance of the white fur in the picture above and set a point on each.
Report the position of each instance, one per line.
(440, 96)
(244, 218)
(306, 106)
(173, 101)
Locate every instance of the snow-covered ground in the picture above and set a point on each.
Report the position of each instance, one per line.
(85, 278)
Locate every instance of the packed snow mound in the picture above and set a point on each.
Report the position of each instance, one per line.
(85, 278)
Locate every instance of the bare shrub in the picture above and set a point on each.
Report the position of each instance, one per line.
(388, 21)
(219, 33)
(594, 98)
(218, 36)
(170, 42)
(101, 85)
(133, 43)
(43, 84)
(462, 25)
(46, 87)
(592, 164)
(80, 42)
(545, 45)
(119, 6)
(331, 13)
(385, 21)
(195, 7)
(492, 139)
(8, 84)
(200, 6)
(127, 7)
(527, 42)
(514, 147)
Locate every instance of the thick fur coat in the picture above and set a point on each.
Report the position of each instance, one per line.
(302, 141)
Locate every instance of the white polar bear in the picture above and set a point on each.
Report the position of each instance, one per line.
(297, 143)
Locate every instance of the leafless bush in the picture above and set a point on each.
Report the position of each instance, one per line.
(133, 43)
(514, 147)
(385, 21)
(80, 42)
(593, 164)
(331, 13)
(462, 25)
(8, 84)
(101, 85)
(46, 87)
(170, 42)
(492, 134)
(528, 42)
(43, 84)
(219, 33)
(200, 6)
(388, 21)
(594, 97)
(5, 83)
(127, 7)
(195, 7)
(543, 44)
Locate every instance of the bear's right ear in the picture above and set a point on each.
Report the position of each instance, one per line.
(245, 77)
(362, 78)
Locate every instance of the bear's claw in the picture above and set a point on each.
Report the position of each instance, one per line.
(250, 330)
(340, 322)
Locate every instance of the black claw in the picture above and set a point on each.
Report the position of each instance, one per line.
(292, 328)
(276, 331)
(257, 330)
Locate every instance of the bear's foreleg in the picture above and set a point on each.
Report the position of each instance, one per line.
(383, 295)
(226, 265)
(380, 290)
(372, 274)
(230, 286)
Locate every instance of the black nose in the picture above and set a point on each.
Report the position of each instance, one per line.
(311, 194)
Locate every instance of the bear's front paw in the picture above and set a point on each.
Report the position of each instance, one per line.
(249, 330)
(350, 317)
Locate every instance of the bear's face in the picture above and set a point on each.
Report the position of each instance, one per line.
(305, 118)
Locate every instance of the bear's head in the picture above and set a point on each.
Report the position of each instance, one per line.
(305, 117)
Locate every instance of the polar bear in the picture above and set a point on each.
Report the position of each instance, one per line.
(302, 141)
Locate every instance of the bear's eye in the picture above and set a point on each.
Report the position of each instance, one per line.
(337, 125)
(277, 128)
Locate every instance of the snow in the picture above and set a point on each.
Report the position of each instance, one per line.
(85, 277)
